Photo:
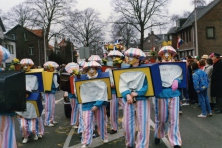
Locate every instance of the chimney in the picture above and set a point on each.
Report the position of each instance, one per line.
(148, 34)
(152, 32)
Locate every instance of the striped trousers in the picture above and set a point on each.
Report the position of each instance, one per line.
(114, 111)
(167, 110)
(80, 129)
(88, 124)
(40, 127)
(28, 126)
(7, 132)
(137, 115)
(75, 112)
(49, 107)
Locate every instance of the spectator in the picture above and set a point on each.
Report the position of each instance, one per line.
(216, 79)
(201, 64)
(191, 91)
(209, 69)
(200, 80)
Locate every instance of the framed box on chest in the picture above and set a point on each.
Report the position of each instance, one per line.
(35, 99)
(129, 75)
(89, 90)
(172, 70)
(12, 91)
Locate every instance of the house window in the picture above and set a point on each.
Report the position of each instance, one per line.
(210, 32)
(13, 36)
(31, 51)
(25, 36)
(12, 49)
(148, 41)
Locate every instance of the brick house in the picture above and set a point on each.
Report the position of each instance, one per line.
(209, 31)
(8, 43)
(29, 44)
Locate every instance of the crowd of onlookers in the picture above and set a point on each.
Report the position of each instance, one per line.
(204, 86)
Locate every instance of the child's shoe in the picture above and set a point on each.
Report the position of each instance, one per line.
(25, 140)
(35, 137)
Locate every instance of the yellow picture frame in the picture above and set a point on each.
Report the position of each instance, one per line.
(79, 83)
(145, 70)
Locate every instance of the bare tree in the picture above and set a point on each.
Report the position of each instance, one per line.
(85, 27)
(198, 3)
(48, 13)
(142, 14)
(19, 14)
(124, 31)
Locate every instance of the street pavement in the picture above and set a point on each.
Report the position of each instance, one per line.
(195, 132)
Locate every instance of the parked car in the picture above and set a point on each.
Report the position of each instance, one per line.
(67, 105)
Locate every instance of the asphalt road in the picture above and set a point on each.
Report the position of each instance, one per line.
(195, 132)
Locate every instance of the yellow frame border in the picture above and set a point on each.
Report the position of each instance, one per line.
(145, 70)
(106, 80)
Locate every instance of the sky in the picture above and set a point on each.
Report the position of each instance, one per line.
(103, 6)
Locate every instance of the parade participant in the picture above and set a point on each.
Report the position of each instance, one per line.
(73, 68)
(26, 64)
(114, 102)
(133, 86)
(95, 108)
(200, 81)
(7, 128)
(167, 105)
(49, 96)
(28, 120)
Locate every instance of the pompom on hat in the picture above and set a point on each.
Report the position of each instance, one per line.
(214, 54)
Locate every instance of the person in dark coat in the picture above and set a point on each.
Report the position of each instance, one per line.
(191, 91)
(216, 79)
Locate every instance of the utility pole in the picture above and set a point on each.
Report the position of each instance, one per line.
(44, 45)
(196, 35)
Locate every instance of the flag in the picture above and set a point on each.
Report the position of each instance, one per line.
(179, 42)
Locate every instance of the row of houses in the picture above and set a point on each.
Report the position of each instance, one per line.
(26, 43)
(208, 33)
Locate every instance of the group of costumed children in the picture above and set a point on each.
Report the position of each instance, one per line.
(136, 106)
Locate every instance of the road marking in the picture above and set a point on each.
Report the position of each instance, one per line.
(167, 143)
(98, 141)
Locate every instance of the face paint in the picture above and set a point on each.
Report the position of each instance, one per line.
(92, 72)
(167, 56)
(26, 67)
(132, 60)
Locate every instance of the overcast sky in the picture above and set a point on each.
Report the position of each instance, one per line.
(103, 6)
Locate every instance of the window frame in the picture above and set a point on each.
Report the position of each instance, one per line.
(31, 53)
(207, 36)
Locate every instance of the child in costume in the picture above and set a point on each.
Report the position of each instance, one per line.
(133, 86)
(167, 104)
(96, 108)
(114, 102)
(72, 68)
(49, 97)
(7, 129)
(28, 120)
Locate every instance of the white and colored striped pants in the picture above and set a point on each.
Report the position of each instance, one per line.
(75, 112)
(28, 126)
(137, 115)
(40, 127)
(167, 110)
(49, 107)
(88, 124)
(7, 132)
(114, 111)
(80, 129)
